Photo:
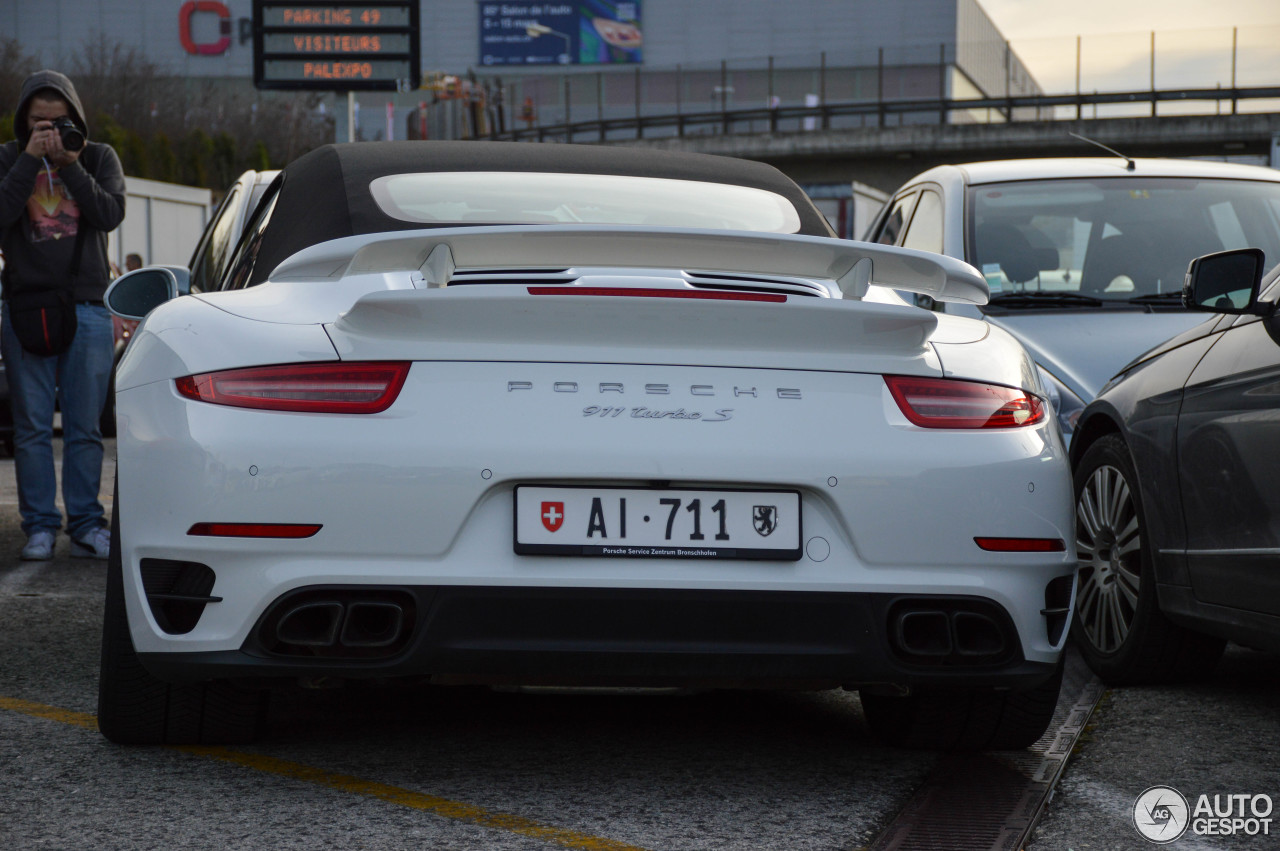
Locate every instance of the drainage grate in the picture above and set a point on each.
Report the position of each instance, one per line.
(991, 801)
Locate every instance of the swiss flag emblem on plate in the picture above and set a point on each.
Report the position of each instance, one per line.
(552, 515)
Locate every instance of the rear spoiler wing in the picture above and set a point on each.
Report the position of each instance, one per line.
(437, 252)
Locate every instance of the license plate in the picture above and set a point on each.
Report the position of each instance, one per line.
(657, 522)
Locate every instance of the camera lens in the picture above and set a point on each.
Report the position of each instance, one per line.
(72, 138)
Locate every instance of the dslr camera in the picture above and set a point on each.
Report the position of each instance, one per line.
(73, 137)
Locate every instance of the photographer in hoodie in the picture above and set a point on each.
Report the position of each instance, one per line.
(60, 194)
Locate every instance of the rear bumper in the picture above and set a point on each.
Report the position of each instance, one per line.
(623, 637)
(420, 500)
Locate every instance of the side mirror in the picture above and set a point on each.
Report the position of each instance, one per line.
(135, 294)
(1226, 282)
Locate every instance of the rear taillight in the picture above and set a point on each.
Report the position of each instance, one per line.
(948, 403)
(254, 530)
(323, 388)
(1021, 545)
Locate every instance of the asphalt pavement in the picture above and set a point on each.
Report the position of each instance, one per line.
(1217, 738)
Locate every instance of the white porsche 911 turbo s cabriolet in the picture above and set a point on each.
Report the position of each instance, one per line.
(492, 413)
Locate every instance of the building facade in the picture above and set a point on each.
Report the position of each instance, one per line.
(492, 66)
(617, 57)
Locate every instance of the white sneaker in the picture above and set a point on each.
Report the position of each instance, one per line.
(96, 544)
(39, 546)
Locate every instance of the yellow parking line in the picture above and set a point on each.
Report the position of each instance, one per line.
(50, 713)
(407, 798)
(347, 784)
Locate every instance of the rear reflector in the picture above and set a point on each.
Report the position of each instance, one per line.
(1022, 545)
(948, 403)
(254, 530)
(644, 292)
(325, 388)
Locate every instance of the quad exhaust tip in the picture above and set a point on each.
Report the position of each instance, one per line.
(339, 624)
(371, 624)
(934, 635)
(311, 624)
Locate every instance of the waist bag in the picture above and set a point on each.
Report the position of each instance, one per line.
(44, 321)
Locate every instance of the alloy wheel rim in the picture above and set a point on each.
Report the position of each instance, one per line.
(1109, 548)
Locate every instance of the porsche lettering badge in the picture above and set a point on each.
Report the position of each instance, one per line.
(618, 387)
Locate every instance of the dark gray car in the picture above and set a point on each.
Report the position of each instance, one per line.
(1177, 479)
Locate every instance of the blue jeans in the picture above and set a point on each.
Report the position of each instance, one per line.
(77, 379)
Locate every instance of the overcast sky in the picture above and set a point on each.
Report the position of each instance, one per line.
(1019, 19)
(1193, 41)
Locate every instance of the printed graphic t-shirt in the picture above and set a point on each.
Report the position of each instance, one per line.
(51, 211)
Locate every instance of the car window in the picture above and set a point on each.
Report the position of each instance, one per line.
(1228, 226)
(259, 189)
(897, 218)
(510, 197)
(210, 256)
(925, 230)
(1114, 239)
(246, 254)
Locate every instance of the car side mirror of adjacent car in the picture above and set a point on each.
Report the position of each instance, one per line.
(135, 294)
(1226, 282)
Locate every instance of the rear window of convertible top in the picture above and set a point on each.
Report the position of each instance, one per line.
(504, 197)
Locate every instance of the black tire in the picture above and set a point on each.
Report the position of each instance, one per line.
(136, 708)
(964, 719)
(1121, 632)
(107, 422)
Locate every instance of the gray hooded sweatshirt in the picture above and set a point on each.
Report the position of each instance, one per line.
(42, 207)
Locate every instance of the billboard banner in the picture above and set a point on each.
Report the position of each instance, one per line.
(582, 32)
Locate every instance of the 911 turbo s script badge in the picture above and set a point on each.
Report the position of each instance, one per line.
(644, 412)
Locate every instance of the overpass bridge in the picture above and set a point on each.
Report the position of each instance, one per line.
(882, 143)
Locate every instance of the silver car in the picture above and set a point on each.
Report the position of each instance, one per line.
(1085, 257)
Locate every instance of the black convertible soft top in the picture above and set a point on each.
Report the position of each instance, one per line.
(325, 194)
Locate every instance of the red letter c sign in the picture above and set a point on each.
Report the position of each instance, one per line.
(224, 27)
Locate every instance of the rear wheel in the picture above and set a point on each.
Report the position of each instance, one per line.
(964, 719)
(136, 708)
(1118, 625)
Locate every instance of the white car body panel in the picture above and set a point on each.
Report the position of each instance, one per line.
(189, 335)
